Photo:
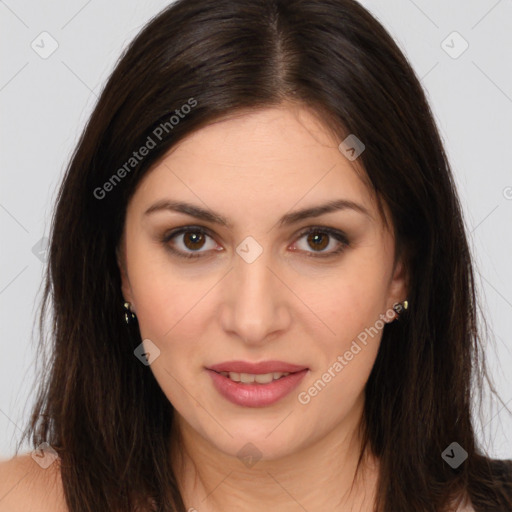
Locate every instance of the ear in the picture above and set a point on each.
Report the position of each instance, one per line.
(126, 288)
(398, 288)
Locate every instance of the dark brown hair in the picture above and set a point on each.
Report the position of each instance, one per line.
(102, 410)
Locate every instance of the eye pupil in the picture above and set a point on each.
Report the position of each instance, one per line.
(195, 238)
(316, 237)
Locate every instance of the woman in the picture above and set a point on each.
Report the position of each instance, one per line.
(261, 284)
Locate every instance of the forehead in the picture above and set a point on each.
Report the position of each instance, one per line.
(260, 160)
(257, 139)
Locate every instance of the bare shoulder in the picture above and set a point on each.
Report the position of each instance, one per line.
(27, 485)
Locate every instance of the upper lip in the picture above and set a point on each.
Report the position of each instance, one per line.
(256, 368)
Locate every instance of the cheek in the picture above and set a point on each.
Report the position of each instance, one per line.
(171, 309)
(350, 349)
(346, 355)
(348, 302)
(172, 315)
(169, 298)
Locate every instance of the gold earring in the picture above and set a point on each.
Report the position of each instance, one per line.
(399, 307)
(129, 315)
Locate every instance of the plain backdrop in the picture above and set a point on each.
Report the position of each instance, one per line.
(461, 50)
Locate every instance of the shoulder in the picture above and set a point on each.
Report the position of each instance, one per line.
(501, 482)
(28, 485)
(492, 490)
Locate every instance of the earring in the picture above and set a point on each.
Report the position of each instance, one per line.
(399, 307)
(129, 315)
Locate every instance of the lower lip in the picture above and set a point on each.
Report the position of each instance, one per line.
(256, 395)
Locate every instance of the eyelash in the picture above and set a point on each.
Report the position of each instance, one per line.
(338, 235)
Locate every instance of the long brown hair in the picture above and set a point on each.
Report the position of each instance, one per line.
(101, 409)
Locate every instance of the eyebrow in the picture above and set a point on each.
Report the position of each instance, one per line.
(287, 219)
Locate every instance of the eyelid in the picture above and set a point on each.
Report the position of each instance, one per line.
(339, 235)
(169, 235)
(336, 233)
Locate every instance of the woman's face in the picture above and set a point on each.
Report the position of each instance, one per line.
(257, 287)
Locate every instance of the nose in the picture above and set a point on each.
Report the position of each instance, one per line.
(255, 305)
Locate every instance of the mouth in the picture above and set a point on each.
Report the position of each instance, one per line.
(256, 384)
(251, 378)
(261, 368)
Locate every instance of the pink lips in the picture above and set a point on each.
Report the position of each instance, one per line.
(256, 368)
(254, 394)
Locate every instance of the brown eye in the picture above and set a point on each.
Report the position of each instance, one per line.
(318, 240)
(322, 242)
(189, 242)
(193, 240)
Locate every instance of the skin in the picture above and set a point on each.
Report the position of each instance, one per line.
(288, 306)
(25, 486)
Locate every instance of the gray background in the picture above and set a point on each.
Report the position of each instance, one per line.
(46, 101)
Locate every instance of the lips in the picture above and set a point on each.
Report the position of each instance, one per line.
(257, 368)
(255, 395)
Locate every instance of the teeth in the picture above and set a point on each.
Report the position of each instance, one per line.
(249, 378)
(265, 378)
